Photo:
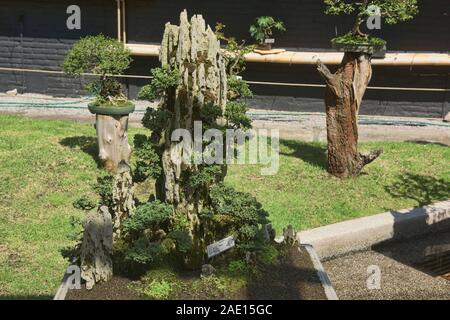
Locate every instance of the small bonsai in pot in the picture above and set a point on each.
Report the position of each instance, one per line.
(106, 58)
(262, 31)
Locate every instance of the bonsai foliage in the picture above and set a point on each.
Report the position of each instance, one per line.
(393, 11)
(235, 213)
(145, 230)
(155, 230)
(104, 57)
(84, 203)
(163, 79)
(193, 208)
(263, 28)
(234, 55)
(235, 51)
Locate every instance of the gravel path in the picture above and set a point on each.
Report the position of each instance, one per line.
(400, 265)
(292, 125)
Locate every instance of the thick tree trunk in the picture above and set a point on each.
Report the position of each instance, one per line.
(344, 92)
(114, 152)
(193, 48)
(112, 140)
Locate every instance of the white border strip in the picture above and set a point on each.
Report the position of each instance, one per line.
(63, 288)
(323, 276)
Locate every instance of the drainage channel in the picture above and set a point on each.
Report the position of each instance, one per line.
(436, 265)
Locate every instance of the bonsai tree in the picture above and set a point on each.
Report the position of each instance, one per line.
(262, 29)
(193, 208)
(102, 56)
(106, 58)
(234, 53)
(346, 87)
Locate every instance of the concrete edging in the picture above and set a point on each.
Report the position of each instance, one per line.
(362, 233)
(63, 288)
(323, 276)
(356, 235)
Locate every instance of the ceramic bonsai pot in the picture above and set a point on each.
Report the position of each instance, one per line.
(112, 110)
(362, 47)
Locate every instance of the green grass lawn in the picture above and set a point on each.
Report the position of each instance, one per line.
(46, 165)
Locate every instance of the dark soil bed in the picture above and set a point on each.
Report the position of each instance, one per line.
(294, 278)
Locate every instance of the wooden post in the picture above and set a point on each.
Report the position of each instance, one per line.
(119, 27)
(124, 27)
(112, 135)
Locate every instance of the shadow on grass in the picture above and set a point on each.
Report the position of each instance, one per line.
(86, 144)
(423, 189)
(312, 152)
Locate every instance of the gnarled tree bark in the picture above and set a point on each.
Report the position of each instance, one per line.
(194, 50)
(344, 92)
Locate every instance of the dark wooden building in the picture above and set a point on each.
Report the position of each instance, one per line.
(34, 36)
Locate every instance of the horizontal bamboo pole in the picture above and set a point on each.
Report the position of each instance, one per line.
(144, 49)
(294, 57)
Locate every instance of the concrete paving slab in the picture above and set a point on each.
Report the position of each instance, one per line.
(362, 233)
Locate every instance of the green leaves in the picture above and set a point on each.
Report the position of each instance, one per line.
(183, 241)
(102, 56)
(236, 116)
(104, 187)
(335, 7)
(156, 119)
(238, 213)
(263, 28)
(206, 176)
(97, 54)
(147, 159)
(148, 227)
(393, 11)
(150, 215)
(238, 88)
(84, 203)
(234, 53)
(163, 79)
(209, 114)
(144, 252)
(352, 39)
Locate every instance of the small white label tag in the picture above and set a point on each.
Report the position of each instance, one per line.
(271, 41)
(220, 246)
